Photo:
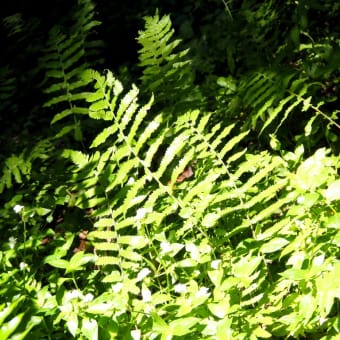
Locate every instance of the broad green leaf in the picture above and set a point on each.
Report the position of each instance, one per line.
(336, 239)
(295, 274)
(216, 276)
(246, 266)
(210, 219)
(89, 328)
(220, 309)
(327, 286)
(262, 333)
(332, 193)
(57, 262)
(72, 323)
(78, 260)
(42, 211)
(4, 313)
(159, 325)
(333, 221)
(181, 327)
(273, 245)
(274, 142)
(187, 263)
(224, 330)
(316, 169)
(8, 328)
(307, 306)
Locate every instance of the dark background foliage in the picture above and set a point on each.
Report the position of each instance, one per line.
(225, 38)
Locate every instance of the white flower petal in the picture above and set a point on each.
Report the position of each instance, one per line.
(180, 288)
(165, 247)
(18, 208)
(215, 264)
(143, 273)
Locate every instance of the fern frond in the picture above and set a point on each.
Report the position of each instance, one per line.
(67, 56)
(273, 97)
(166, 73)
(17, 168)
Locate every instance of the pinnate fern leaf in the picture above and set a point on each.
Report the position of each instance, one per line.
(167, 71)
(274, 96)
(67, 56)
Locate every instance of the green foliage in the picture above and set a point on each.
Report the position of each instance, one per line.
(7, 89)
(245, 228)
(274, 98)
(166, 73)
(67, 55)
(18, 168)
(168, 225)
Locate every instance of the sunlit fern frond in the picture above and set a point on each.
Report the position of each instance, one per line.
(167, 70)
(272, 97)
(69, 52)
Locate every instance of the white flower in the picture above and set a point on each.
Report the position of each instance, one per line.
(215, 264)
(88, 297)
(142, 212)
(193, 250)
(196, 272)
(301, 199)
(166, 247)
(130, 181)
(322, 320)
(117, 287)
(180, 288)
(23, 265)
(18, 208)
(143, 273)
(146, 294)
(66, 308)
(12, 241)
(318, 261)
(203, 291)
(73, 294)
(300, 224)
(190, 247)
(136, 334)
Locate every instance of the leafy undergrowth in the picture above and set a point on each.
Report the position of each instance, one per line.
(166, 224)
(245, 247)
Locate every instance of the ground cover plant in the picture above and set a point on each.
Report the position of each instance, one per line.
(175, 201)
